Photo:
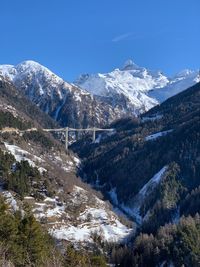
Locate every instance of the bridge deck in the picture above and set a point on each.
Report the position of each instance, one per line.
(66, 130)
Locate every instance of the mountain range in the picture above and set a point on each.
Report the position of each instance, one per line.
(96, 99)
(139, 88)
(66, 103)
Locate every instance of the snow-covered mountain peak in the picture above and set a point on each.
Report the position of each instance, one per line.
(30, 64)
(32, 67)
(184, 73)
(129, 65)
(30, 73)
(35, 69)
(82, 78)
(181, 81)
(8, 71)
(29, 69)
(65, 102)
(136, 88)
(127, 86)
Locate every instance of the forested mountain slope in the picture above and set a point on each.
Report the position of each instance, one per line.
(127, 166)
(150, 169)
(44, 205)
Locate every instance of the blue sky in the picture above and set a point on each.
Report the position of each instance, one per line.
(86, 36)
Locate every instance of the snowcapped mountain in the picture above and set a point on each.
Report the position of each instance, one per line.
(96, 99)
(64, 102)
(177, 84)
(140, 88)
(41, 80)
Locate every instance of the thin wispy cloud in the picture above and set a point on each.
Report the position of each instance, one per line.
(122, 37)
(134, 36)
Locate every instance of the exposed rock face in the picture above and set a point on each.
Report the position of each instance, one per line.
(134, 88)
(64, 102)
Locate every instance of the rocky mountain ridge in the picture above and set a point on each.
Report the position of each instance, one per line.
(66, 103)
(140, 88)
(96, 99)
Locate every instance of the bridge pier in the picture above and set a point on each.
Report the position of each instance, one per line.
(77, 131)
(67, 139)
(94, 135)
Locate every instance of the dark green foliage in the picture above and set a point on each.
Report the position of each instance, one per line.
(21, 180)
(177, 244)
(26, 243)
(163, 202)
(18, 176)
(6, 161)
(33, 239)
(190, 205)
(98, 261)
(39, 137)
(78, 258)
(8, 120)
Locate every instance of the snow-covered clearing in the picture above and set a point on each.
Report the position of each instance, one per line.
(21, 154)
(152, 118)
(157, 135)
(10, 200)
(93, 221)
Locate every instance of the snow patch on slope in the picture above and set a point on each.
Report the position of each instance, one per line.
(94, 218)
(21, 154)
(134, 209)
(152, 118)
(146, 189)
(157, 135)
(42, 209)
(93, 221)
(10, 200)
